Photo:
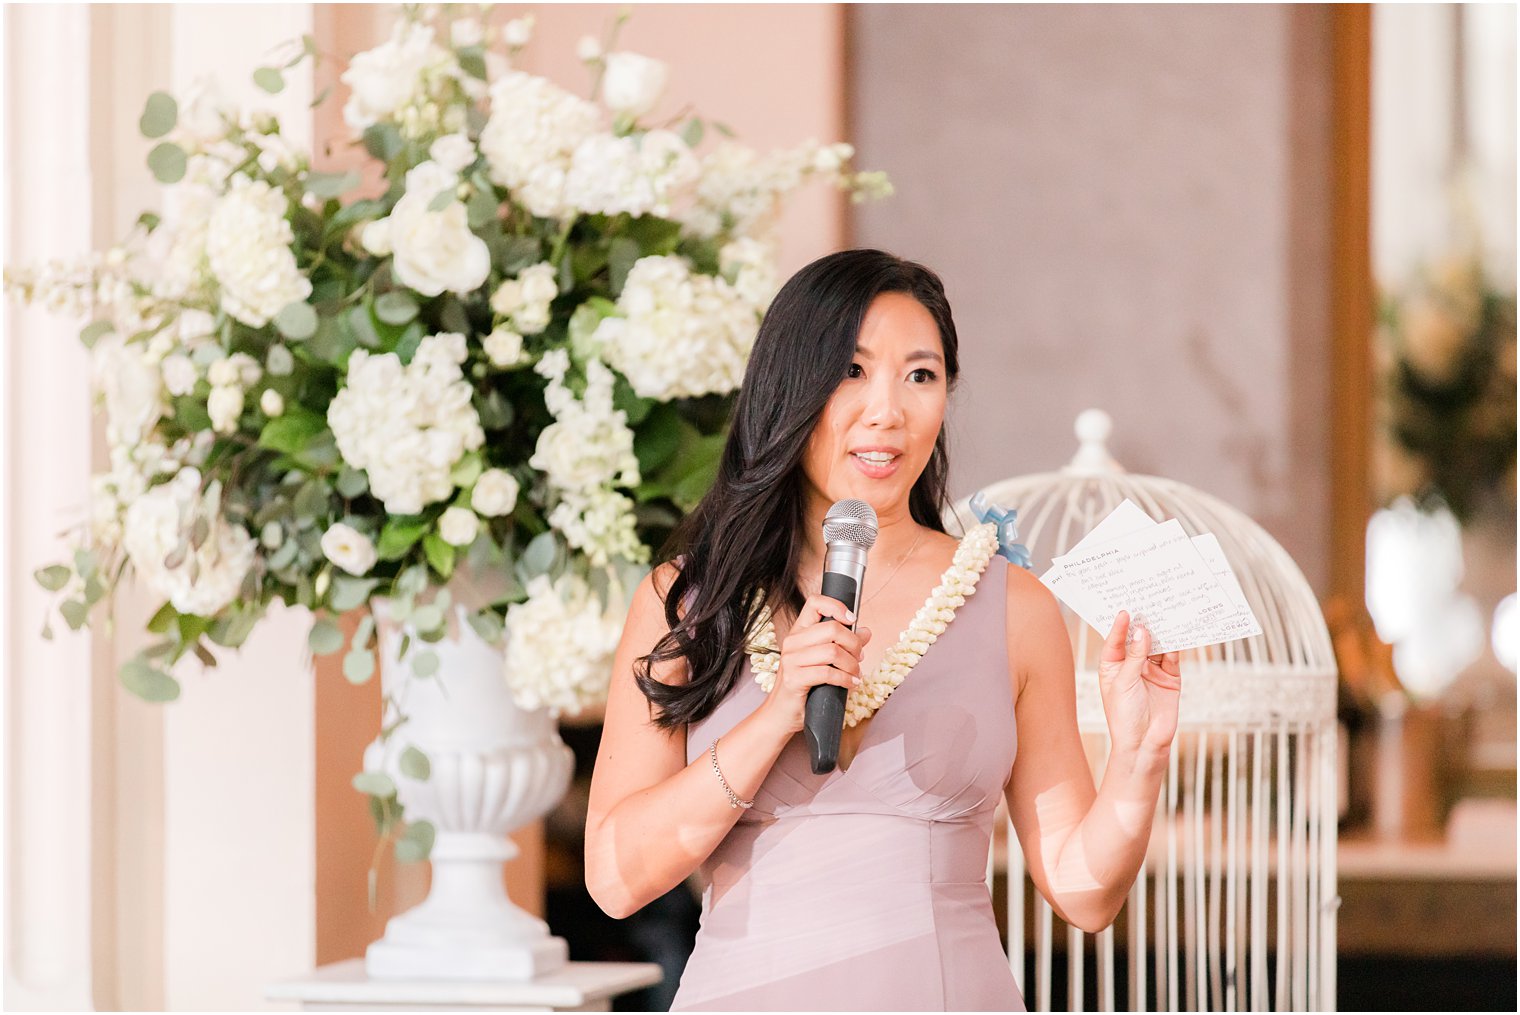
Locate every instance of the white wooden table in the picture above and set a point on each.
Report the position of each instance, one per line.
(579, 986)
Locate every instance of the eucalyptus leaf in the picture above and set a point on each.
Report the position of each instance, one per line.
(425, 663)
(312, 502)
(442, 200)
(75, 612)
(325, 637)
(167, 161)
(539, 555)
(330, 185)
(427, 617)
(691, 133)
(358, 665)
(147, 681)
(351, 482)
(472, 60)
(364, 631)
(297, 321)
(159, 115)
(416, 844)
(396, 308)
(92, 332)
(348, 593)
(486, 624)
(52, 578)
(414, 764)
(363, 327)
(163, 620)
(270, 79)
(376, 784)
(278, 361)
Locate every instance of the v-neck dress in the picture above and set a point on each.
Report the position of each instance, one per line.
(865, 889)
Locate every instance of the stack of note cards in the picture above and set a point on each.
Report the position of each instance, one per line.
(1181, 587)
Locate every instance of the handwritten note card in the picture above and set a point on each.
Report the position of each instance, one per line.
(1182, 587)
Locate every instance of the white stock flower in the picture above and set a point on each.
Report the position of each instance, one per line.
(179, 373)
(533, 129)
(407, 426)
(157, 529)
(433, 250)
(518, 31)
(396, 74)
(504, 347)
(348, 548)
(526, 299)
(589, 48)
(225, 406)
(237, 370)
(507, 297)
(681, 334)
(272, 403)
(131, 386)
(495, 493)
(632, 83)
(248, 247)
(560, 644)
(615, 175)
(458, 526)
(453, 152)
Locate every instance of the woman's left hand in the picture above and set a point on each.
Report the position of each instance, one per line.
(1140, 691)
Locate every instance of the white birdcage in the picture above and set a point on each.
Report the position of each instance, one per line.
(1235, 908)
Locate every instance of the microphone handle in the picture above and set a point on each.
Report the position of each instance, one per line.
(824, 719)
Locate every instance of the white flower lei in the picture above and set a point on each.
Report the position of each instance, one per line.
(959, 581)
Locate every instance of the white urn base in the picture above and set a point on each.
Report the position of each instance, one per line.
(467, 928)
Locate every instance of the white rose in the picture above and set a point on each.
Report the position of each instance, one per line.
(504, 347)
(507, 297)
(532, 319)
(589, 48)
(348, 548)
(495, 493)
(272, 403)
(435, 250)
(458, 526)
(132, 387)
(453, 152)
(204, 112)
(375, 237)
(632, 84)
(388, 77)
(179, 374)
(224, 406)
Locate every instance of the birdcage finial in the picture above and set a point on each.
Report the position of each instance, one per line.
(1092, 457)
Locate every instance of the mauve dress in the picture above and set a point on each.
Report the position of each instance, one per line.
(866, 889)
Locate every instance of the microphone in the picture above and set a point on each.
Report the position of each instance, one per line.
(849, 530)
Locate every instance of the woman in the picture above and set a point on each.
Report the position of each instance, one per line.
(862, 888)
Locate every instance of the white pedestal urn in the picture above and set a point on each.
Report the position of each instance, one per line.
(494, 768)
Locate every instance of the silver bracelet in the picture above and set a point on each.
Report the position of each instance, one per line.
(733, 798)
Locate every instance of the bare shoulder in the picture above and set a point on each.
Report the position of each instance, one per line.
(647, 623)
(1037, 637)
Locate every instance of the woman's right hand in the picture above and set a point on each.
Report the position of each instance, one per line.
(817, 650)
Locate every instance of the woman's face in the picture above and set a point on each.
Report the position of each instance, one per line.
(878, 429)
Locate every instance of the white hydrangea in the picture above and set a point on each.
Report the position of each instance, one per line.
(401, 73)
(248, 248)
(407, 426)
(156, 537)
(533, 129)
(433, 250)
(589, 444)
(638, 176)
(560, 644)
(750, 265)
(679, 333)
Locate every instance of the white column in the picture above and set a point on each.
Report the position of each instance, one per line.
(45, 437)
(239, 764)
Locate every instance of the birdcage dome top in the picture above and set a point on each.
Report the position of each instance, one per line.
(1286, 673)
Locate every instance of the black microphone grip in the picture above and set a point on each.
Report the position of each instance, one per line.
(824, 719)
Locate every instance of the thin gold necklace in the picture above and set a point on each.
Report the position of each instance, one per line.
(895, 568)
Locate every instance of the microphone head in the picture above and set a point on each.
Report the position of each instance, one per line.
(850, 521)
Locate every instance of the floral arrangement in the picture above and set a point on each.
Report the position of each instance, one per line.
(1448, 387)
(516, 355)
(977, 548)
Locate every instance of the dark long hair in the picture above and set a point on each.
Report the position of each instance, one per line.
(744, 536)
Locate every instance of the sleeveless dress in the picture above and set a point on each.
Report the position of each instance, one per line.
(866, 889)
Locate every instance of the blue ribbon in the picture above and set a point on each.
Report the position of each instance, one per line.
(1007, 529)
